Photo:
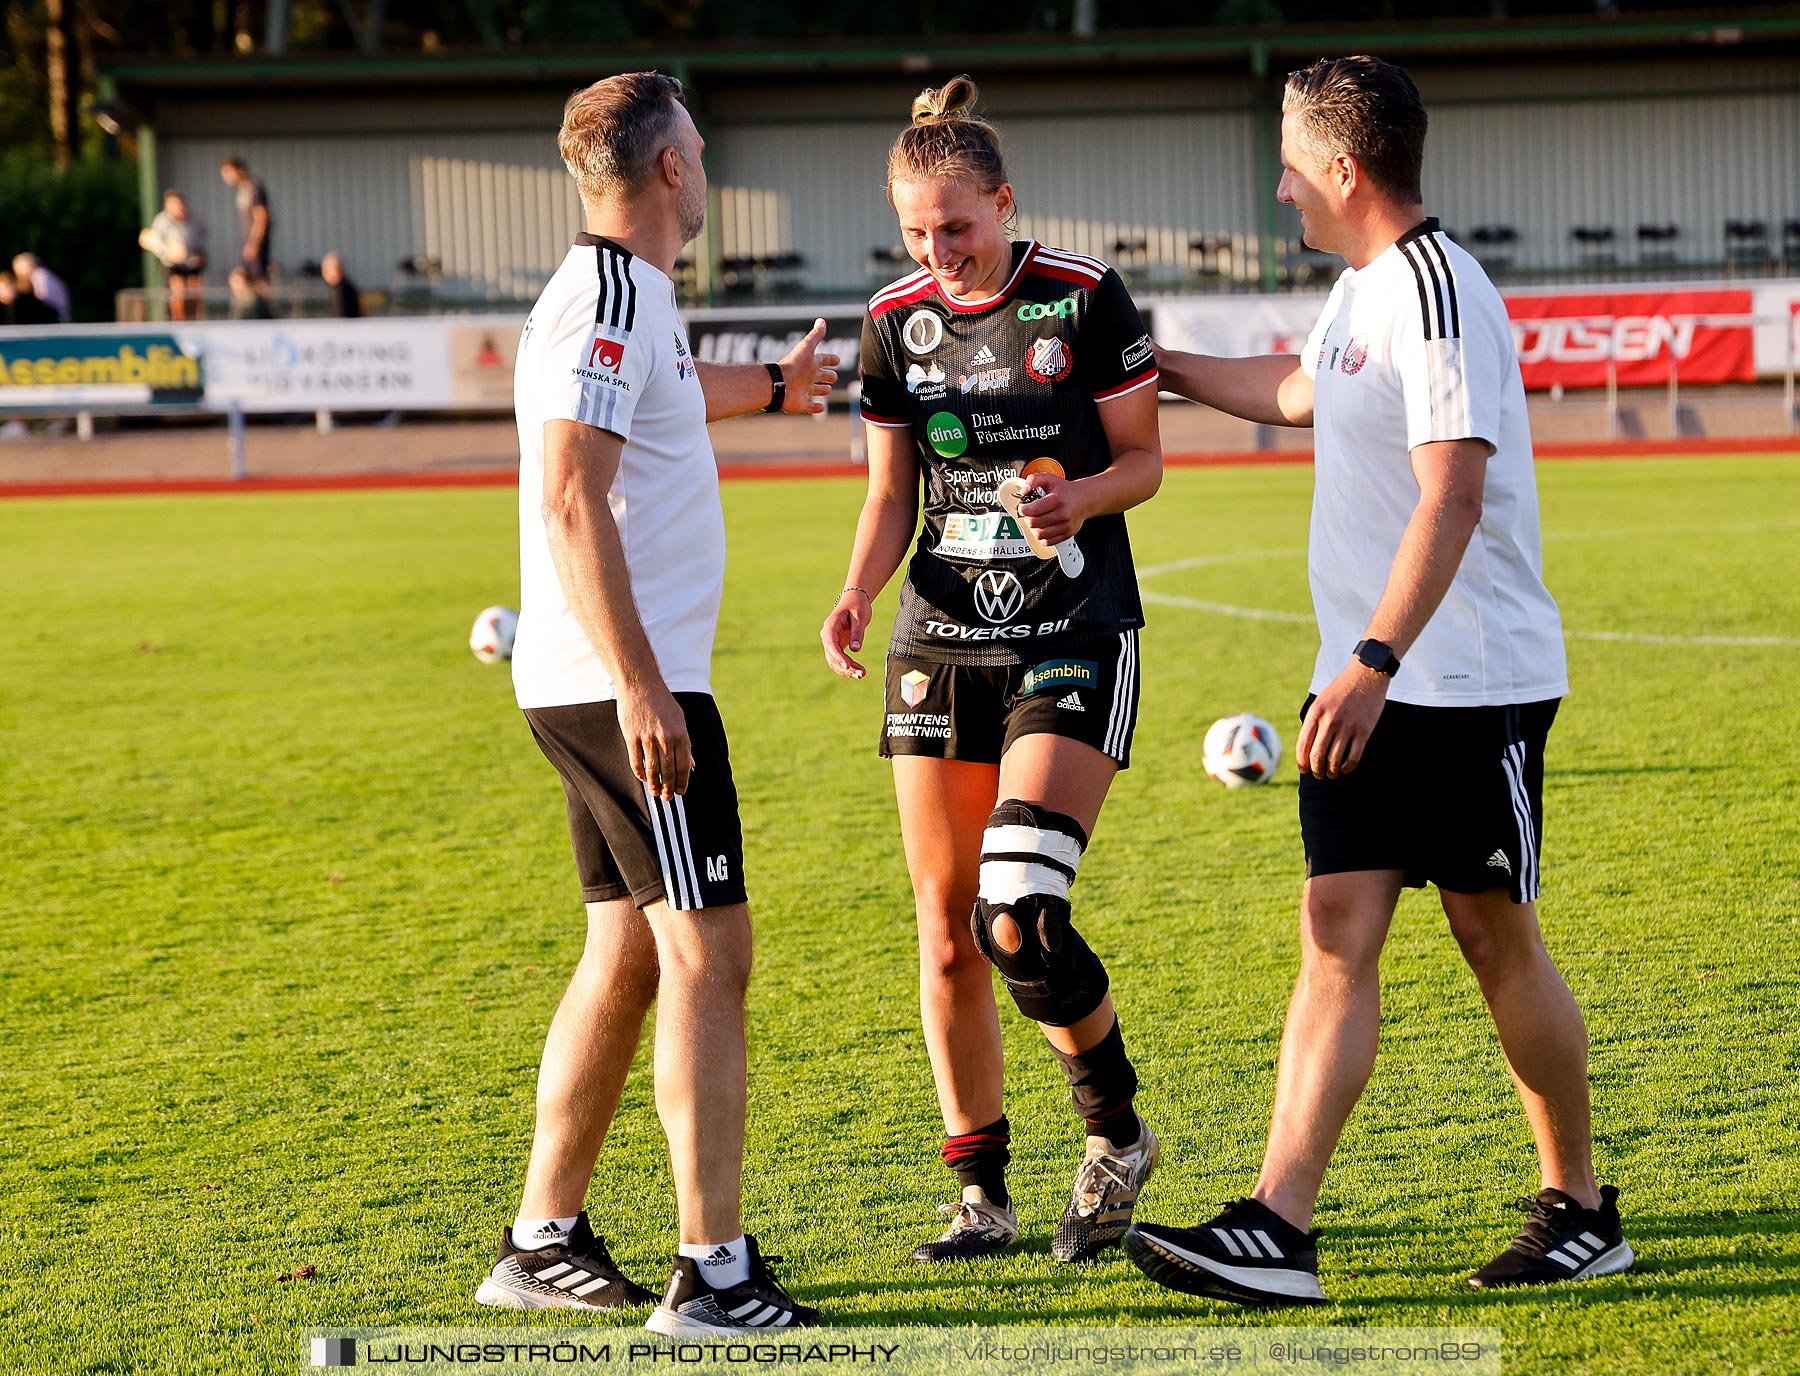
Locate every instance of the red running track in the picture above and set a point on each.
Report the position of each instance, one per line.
(506, 477)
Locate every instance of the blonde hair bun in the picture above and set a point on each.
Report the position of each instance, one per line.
(954, 100)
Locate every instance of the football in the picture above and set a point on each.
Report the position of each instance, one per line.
(1241, 750)
(491, 637)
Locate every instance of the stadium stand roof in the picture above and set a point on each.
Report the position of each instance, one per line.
(142, 82)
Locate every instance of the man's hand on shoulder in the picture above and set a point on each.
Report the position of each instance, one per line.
(656, 737)
(1340, 722)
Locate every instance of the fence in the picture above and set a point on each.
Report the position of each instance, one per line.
(1598, 343)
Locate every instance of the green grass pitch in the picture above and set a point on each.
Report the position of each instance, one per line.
(285, 905)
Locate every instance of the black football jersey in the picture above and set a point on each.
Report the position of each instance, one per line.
(985, 389)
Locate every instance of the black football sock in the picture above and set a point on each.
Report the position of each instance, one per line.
(1102, 1085)
(981, 1157)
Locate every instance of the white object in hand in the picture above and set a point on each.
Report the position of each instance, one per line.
(1011, 495)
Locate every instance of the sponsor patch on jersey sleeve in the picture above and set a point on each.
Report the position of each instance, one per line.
(608, 375)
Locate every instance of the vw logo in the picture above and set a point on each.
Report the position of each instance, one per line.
(998, 596)
(923, 332)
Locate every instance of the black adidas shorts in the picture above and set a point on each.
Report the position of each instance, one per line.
(1454, 796)
(689, 851)
(975, 711)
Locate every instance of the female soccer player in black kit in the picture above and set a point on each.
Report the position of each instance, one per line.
(1012, 684)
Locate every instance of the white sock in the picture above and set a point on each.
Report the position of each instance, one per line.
(722, 1264)
(535, 1234)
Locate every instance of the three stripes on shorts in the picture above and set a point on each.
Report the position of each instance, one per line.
(675, 852)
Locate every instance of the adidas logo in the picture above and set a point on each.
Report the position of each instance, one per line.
(551, 1229)
(1498, 861)
(983, 355)
(1072, 703)
(719, 1256)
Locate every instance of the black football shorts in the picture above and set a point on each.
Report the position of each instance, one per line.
(689, 851)
(1453, 796)
(975, 711)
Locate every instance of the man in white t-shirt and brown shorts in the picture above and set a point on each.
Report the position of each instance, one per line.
(1439, 672)
(622, 565)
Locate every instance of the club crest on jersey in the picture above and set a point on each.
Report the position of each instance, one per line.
(1355, 355)
(1049, 360)
(923, 332)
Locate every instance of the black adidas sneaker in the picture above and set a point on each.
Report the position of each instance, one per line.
(577, 1273)
(692, 1308)
(1249, 1254)
(1561, 1240)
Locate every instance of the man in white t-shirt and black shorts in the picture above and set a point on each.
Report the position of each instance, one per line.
(622, 565)
(1439, 672)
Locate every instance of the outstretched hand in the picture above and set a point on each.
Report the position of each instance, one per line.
(810, 374)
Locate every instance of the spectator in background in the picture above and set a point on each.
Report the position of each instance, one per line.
(247, 299)
(179, 242)
(253, 215)
(20, 306)
(43, 283)
(346, 302)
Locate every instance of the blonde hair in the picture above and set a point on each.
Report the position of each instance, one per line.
(613, 131)
(946, 141)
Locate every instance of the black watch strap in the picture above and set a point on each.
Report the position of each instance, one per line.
(778, 385)
(1377, 656)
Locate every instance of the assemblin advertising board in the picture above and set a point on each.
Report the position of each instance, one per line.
(1565, 337)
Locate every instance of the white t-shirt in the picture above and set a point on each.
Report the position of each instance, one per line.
(1413, 348)
(605, 346)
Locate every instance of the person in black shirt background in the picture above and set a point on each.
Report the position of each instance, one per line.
(19, 305)
(346, 302)
(1011, 684)
(253, 214)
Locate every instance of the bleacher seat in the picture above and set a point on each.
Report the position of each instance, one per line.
(1656, 243)
(1746, 245)
(1594, 245)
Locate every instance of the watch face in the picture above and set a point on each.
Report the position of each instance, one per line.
(1378, 657)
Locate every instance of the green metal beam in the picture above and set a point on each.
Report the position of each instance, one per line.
(149, 201)
(1268, 168)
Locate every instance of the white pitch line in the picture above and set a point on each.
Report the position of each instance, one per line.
(1629, 637)
(1205, 561)
(1223, 609)
(1649, 639)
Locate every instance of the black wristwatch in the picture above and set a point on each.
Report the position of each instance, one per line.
(778, 384)
(1378, 657)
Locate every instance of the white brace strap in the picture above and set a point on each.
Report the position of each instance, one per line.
(1017, 861)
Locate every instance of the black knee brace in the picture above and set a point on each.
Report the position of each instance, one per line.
(1029, 856)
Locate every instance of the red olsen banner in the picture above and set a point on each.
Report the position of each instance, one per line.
(1569, 340)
